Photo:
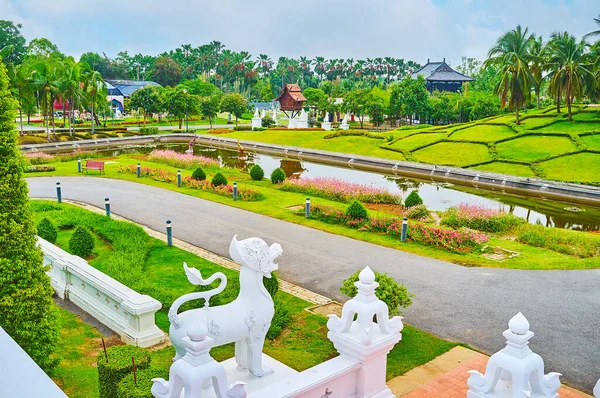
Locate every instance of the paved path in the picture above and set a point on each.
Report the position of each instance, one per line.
(471, 305)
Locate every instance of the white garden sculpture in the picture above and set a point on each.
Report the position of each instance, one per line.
(345, 125)
(256, 120)
(245, 321)
(515, 368)
(326, 123)
(597, 390)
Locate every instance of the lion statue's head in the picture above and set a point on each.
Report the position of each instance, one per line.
(254, 253)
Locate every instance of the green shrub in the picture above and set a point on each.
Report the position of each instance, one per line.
(396, 296)
(271, 284)
(257, 173)
(277, 176)
(47, 230)
(267, 121)
(247, 115)
(27, 312)
(573, 243)
(356, 211)
(418, 212)
(82, 242)
(413, 199)
(281, 319)
(242, 128)
(149, 130)
(218, 180)
(127, 388)
(199, 174)
(118, 366)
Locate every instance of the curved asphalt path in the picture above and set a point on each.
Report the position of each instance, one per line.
(471, 305)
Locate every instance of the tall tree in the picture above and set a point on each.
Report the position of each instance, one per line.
(148, 100)
(95, 88)
(512, 57)
(166, 72)
(27, 311)
(595, 33)
(178, 101)
(12, 42)
(538, 51)
(209, 107)
(235, 104)
(571, 68)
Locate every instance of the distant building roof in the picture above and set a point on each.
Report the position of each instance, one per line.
(295, 92)
(128, 87)
(440, 71)
(112, 90)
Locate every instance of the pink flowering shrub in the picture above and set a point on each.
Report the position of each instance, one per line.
(480, 218)
(449, 239)
(460, 241)
(339, 190)
(187, 181)
(38, 157)
(181, 160)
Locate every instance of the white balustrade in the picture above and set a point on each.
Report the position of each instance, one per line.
(515, 371)
(123, 310)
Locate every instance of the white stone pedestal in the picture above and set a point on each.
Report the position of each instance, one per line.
(256, 122)
(326, 126)
(253, 383)
(344, 126)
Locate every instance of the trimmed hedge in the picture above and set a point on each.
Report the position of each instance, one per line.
(118, 367)
(277, 176)
(199, 174)
(356, 211)
(257, 173)
(82, 242)
(47, 230)
(218, 180)
(127, 388)
(413, 199)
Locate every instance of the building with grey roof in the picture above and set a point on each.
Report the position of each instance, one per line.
(439, 76)
(128, 87)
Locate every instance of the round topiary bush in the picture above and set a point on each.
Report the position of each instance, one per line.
(218, 180)
(127, 388)
(47, 230)
(118, 366)
(356, 211)
(413, 199)
(257, 173)
(277, 176)
(199, 174)
(418, 212)
(395, 295)
(81, 243)
(271, 284)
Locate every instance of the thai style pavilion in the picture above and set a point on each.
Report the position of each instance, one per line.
(441, 77)
(291, 100)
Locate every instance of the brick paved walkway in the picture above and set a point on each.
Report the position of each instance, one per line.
(453, 384)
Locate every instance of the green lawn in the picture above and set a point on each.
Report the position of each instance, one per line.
(453, 154)
(301, 345)
(482, 133)
(507, 168)
(571, 127)
(534, 148)
(533, 122)
(417, 140)
(593, 115)
(592, 140)
(586, 164)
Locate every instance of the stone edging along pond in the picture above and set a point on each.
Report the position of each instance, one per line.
(532, 187)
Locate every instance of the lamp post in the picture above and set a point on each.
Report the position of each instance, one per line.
(186, 109)
(460, 106)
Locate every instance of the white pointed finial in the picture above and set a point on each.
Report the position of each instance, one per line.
(597, 390)
(197, 331)
(519, 324)
(366, 276)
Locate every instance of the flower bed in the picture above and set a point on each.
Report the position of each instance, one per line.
(480, 218)
(460, 241)
(248, 195)
(38, 157)
(181, 160)
(339, 190)
(219, 131)
(36, 169)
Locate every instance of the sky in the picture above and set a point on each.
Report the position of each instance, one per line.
(411, 29)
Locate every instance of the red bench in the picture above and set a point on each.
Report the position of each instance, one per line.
(91, 165)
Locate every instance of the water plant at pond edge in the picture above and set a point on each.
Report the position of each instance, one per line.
(458, 241)
(244, 194)
(480, 218)
(181, 160)
(340, 190)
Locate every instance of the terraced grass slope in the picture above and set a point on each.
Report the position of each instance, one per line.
(545, 145)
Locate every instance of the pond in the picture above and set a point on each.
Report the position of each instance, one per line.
(436, 196)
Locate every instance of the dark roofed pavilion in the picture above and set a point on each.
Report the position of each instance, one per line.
(441, 77)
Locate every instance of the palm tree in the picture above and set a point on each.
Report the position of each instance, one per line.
(21, 80)
(595, 33)
(93, 86)
(70, 91)
(44, 82)
(511, 55)
(538, 50)
(571, 67)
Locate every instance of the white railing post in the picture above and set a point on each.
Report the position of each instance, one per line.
(364, 340)
(515, 368)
